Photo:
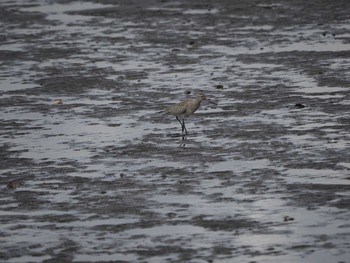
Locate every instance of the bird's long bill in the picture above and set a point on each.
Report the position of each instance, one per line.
(212, 102)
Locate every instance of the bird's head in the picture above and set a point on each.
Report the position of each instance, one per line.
(202, 97)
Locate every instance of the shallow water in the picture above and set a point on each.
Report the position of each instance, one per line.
(106, 176)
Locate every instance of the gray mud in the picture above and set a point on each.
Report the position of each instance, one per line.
(105, 176)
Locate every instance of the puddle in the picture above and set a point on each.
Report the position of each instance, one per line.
(201, 11)
(239, 165)
(104, 257)
(30, 259)
(317, 176)
(56, 8)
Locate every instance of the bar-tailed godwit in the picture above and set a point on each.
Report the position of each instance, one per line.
(186, 108)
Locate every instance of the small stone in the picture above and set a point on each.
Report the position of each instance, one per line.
(171, 215)
(12, 185)
(58, 101)
(187, 92)
(288, 218)
(299, 106)
(219, 86)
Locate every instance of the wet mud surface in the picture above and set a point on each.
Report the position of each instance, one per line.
(93, 171)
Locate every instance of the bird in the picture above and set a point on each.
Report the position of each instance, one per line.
(186, 108)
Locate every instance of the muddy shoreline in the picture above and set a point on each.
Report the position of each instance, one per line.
(93, 171)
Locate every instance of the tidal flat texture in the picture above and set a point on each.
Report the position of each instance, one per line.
(93, 170)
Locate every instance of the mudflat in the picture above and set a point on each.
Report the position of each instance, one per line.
(92, 170)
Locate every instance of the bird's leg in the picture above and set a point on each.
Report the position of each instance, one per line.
(184, 127)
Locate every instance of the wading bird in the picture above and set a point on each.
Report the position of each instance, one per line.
(186, 108)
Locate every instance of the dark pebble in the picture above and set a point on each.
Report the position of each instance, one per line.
(299, 106)
(187, 92)
(288, 218)
(11, 185)
(219, 86)
(171, 215)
